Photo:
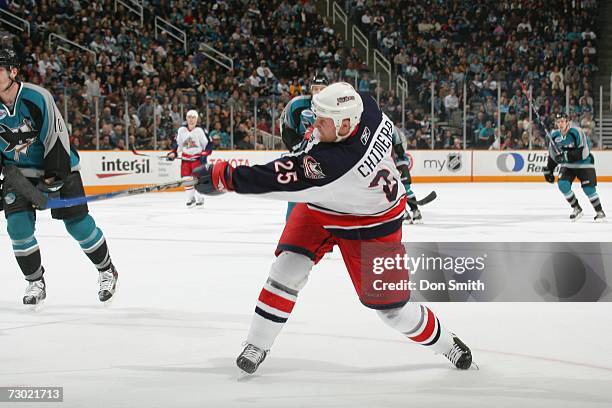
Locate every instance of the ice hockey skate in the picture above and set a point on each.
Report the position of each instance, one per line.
(190, 203)
(35, 294)
(417, 218)
(108, 284)
(460, 354)
(576, 214)
(600, 216)
(249, 360)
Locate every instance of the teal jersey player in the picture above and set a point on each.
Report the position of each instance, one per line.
(570, 150)
(34, 138)
(297, 120)
(403, 164)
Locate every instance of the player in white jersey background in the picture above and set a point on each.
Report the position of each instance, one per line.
(193, 147)
(349, 194)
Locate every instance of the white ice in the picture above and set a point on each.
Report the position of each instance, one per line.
(190, 279)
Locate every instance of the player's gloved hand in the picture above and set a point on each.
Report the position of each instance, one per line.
(549, 176)
(560, 157)
(50, 186)
(171, 156)
(214, 179)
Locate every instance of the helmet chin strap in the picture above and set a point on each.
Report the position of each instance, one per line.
(350, 133)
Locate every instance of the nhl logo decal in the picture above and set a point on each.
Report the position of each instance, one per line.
(453, 161)
(312, 168)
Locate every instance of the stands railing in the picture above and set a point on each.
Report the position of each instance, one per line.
(11, 20)
(401, 89)
(338, 13)
(217, 56)
(173, 31)
(134, 6)
(64, 40)
(358, 36)
(380, 62)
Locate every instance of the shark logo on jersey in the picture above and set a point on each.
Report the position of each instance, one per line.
(312, 168)
(2, 114)
(18, 139)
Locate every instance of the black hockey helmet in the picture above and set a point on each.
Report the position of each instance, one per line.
(561, 115)
(8, 58)
(319, 79)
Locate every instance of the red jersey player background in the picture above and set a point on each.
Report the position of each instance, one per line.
(193, 147)
(349, 194)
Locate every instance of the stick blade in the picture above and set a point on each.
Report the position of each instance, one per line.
(428, 198)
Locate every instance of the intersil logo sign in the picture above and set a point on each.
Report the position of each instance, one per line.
(118, 167)
(516, 162)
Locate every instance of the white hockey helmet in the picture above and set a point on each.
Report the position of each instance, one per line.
(339, 101)
(192, 113)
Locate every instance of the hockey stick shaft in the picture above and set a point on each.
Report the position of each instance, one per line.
(164, 157)
(537, 115)
(71, 202)
(149, 155)
(17, 180)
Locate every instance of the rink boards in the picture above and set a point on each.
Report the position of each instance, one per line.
(105, 171)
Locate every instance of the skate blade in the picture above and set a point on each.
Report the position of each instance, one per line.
(34, 308)
(474, 366)
(417, 222)
(577, 217)
(109, 302)
(600, 220)
(243, 376)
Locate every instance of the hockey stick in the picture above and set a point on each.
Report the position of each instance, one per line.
(149, 155)
(540, 122)
(15, 178)
(425, 200)
(165, 157)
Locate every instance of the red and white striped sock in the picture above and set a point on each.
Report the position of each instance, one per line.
(274, 307)
(419, 324)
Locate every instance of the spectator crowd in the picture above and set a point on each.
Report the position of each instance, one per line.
(133, 83)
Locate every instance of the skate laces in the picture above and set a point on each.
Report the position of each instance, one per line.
(106, 280)
(34, 288)
(253, 353)
(454, 353)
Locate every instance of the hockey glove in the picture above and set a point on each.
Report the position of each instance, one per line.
(50, 186)
(549, 176)
(214, 179)
(171, 156)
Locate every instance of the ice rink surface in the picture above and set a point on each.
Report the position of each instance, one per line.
(189, 280)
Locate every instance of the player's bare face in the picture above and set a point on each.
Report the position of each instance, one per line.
(192, 121)
(315, 89)
(562, 125)
(326, 128)
(5, 79)
(6, 76)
